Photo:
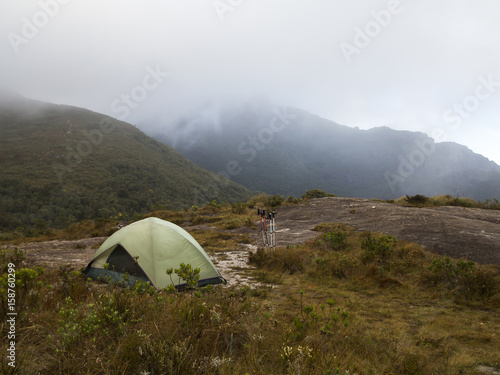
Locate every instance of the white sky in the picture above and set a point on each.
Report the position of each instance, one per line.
(422, 68)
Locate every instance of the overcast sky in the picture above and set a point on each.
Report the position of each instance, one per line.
(422, 65)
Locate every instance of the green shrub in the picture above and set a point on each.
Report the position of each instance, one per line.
(463, 202)
(335, 240)
(452, 272)
(377, 250)
(490, 204)
(238, 208)
(258, 201)
(462, 278)
(282, 260)
(276, 200)
(187, 273)
(17, 283)
(417, 199)
(315, 193)
(77, 320)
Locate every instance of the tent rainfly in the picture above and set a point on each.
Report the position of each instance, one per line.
(145, 250)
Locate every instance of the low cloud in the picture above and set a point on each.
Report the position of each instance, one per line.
(421, 59)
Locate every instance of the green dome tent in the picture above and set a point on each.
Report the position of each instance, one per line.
(145, 250)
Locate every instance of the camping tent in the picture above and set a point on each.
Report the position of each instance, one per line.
(145, 250)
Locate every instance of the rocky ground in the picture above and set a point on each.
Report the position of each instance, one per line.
(455, 231)
(458, 232)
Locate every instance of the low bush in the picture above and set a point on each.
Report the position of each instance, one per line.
(276, 200)
(291, 260)
(417, 199)
(238, 208)
(335, 240)
(492, 204)
(377, 250)
(461, 278)
(291, 200)
(316, 193)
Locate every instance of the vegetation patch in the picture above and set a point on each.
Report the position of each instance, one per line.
(344, 302)
(462, 278)
(213, 240)
(335, 240)
(446, 200)
(315, 193)
(377, 249)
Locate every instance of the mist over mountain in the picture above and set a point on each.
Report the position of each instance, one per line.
(62, 164)
(287, 151)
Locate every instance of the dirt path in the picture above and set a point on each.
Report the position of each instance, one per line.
(233, 264)
(455, 231)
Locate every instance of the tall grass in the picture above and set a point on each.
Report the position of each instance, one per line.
(344, 302)
(71, 325)
(410, 312)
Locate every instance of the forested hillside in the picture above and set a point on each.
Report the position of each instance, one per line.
(61, 164)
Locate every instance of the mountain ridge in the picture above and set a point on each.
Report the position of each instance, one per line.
(287, 151)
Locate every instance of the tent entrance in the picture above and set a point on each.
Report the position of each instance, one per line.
(121, 261)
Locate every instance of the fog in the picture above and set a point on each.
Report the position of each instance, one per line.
(415, 65)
